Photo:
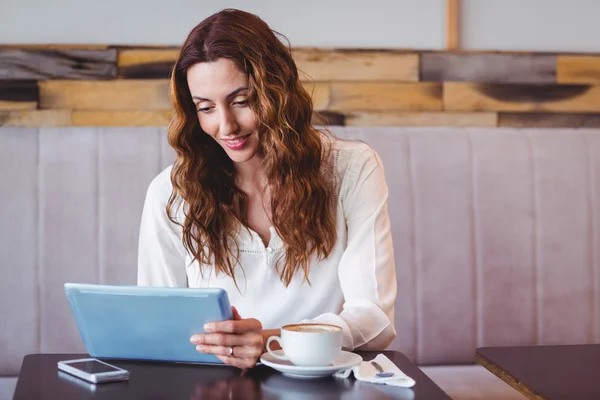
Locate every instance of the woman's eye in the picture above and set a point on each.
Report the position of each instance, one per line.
(204, 109)
(241, 103)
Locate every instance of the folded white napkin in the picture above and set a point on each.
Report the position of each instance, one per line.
(366, 372)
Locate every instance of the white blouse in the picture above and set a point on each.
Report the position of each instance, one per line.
(355, 287)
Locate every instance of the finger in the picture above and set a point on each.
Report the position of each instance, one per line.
(234, 326)
(226, 339)
(238, 351)
(238, 362)
(236, 314)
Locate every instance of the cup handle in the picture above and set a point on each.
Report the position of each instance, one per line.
(271, 352)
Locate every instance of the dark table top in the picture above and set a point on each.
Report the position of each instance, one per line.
(547, 372)
(41, 379)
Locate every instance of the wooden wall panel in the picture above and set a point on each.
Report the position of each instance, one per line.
(344, 65)
(548, 120)
(362, 96)
(122, 118)
(146, 63)
(578, 69)
(421, 119)
(35, 118)
(500, 68)
(18, 95)
(496, 97)
(111, 95)
(58, 64)
(320, 93)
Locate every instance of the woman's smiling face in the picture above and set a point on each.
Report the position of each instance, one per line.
(220, 93)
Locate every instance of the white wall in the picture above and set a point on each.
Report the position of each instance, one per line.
(542, 25)
(530, 25)
(320, 23)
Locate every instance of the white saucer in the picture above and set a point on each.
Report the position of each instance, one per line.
(344, 361)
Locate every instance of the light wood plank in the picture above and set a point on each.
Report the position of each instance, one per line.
(57, 64)
(35, 118)
(17, 105)
(526, 98)
(500, 68)
(345, 65)
(56, 46)
(452, 24)
(320, 93)
(121, 118)
(362, 96)
(548, 120)
(146, 63)
(110, 95)
(422, 119)
(578, 69)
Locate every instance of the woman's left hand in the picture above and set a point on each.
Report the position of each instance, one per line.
(238, 342)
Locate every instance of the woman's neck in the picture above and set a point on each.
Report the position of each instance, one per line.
(251, 175)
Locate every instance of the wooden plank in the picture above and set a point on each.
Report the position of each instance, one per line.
(507, 377)
(423, 118)
(578, 69)
(363, 96)
(320, 93)
(58, 64)
(18, 95)
(328, 118)
(357, 65)
(56, 46)
(122, 118)
(530, 98)
(548, 120)
(500, 68)
(146, 63)
(105, 95)
(35, 118)
(452, 11)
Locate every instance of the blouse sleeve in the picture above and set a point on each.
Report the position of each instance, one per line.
(161, 254)
(366, 271)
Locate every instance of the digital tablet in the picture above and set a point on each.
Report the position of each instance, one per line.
(145, 323)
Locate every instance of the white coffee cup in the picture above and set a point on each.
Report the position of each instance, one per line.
(308, 345)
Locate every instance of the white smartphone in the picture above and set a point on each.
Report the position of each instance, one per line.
(93, 370)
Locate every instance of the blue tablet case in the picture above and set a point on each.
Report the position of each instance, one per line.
(145, 323)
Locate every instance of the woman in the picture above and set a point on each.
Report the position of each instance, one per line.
(291, 222)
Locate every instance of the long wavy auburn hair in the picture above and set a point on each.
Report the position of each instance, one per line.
(302, 204)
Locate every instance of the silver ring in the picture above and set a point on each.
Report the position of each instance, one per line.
(230, 351)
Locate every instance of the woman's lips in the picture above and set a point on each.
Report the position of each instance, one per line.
(237, 143)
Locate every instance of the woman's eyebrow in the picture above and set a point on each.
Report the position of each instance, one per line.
(230, 95)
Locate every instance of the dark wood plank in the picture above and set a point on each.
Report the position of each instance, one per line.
(58, 64)
(500, 68)
(548, 120)
(459, 96)
(328, 118)
(421, 118)
(18, 95)
(48, 64)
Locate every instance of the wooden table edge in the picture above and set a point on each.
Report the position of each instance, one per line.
(506, 377)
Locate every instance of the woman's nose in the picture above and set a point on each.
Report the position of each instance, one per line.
(228, 124)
